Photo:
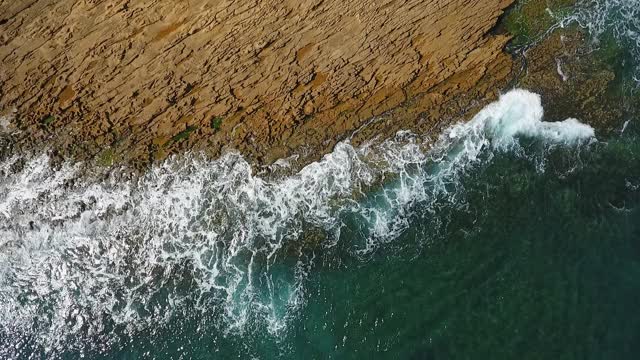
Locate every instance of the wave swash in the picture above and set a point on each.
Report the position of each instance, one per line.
(80, 258)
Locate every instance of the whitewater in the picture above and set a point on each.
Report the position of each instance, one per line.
(80, 257)
(619, 19)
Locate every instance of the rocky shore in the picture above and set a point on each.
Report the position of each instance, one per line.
(119, 81)
(122, 82)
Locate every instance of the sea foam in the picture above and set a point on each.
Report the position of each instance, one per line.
(618, 18)
(77, 259)
(520, 113)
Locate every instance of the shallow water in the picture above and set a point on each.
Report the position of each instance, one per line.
(613, 26)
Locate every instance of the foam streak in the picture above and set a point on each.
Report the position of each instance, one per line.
(210, 233)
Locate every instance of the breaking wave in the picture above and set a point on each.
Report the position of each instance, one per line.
(84, 262)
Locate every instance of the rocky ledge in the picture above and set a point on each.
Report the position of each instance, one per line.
(134, 81)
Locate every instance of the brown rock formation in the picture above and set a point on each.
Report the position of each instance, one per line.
(141, 79)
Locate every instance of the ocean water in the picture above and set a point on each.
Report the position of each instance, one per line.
(506, 235)
(511, 235)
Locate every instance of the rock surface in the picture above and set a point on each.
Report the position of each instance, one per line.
(134, 81)
(579, 81)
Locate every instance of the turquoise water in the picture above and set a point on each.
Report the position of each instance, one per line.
(535, 265)
(509, 238)
(529, 265)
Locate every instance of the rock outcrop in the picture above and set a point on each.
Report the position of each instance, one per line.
(137, 80)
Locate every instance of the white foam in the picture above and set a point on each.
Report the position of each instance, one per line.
(621, 18)
(520, 113)
(71, 254)
(560, 72)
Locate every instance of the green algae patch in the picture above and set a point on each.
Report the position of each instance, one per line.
(527, 21)
(216, 123)
(106, 158)
(181, 136)
(48, 120)
(614, 57)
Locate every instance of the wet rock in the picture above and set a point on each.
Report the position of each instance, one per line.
(577, 80)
